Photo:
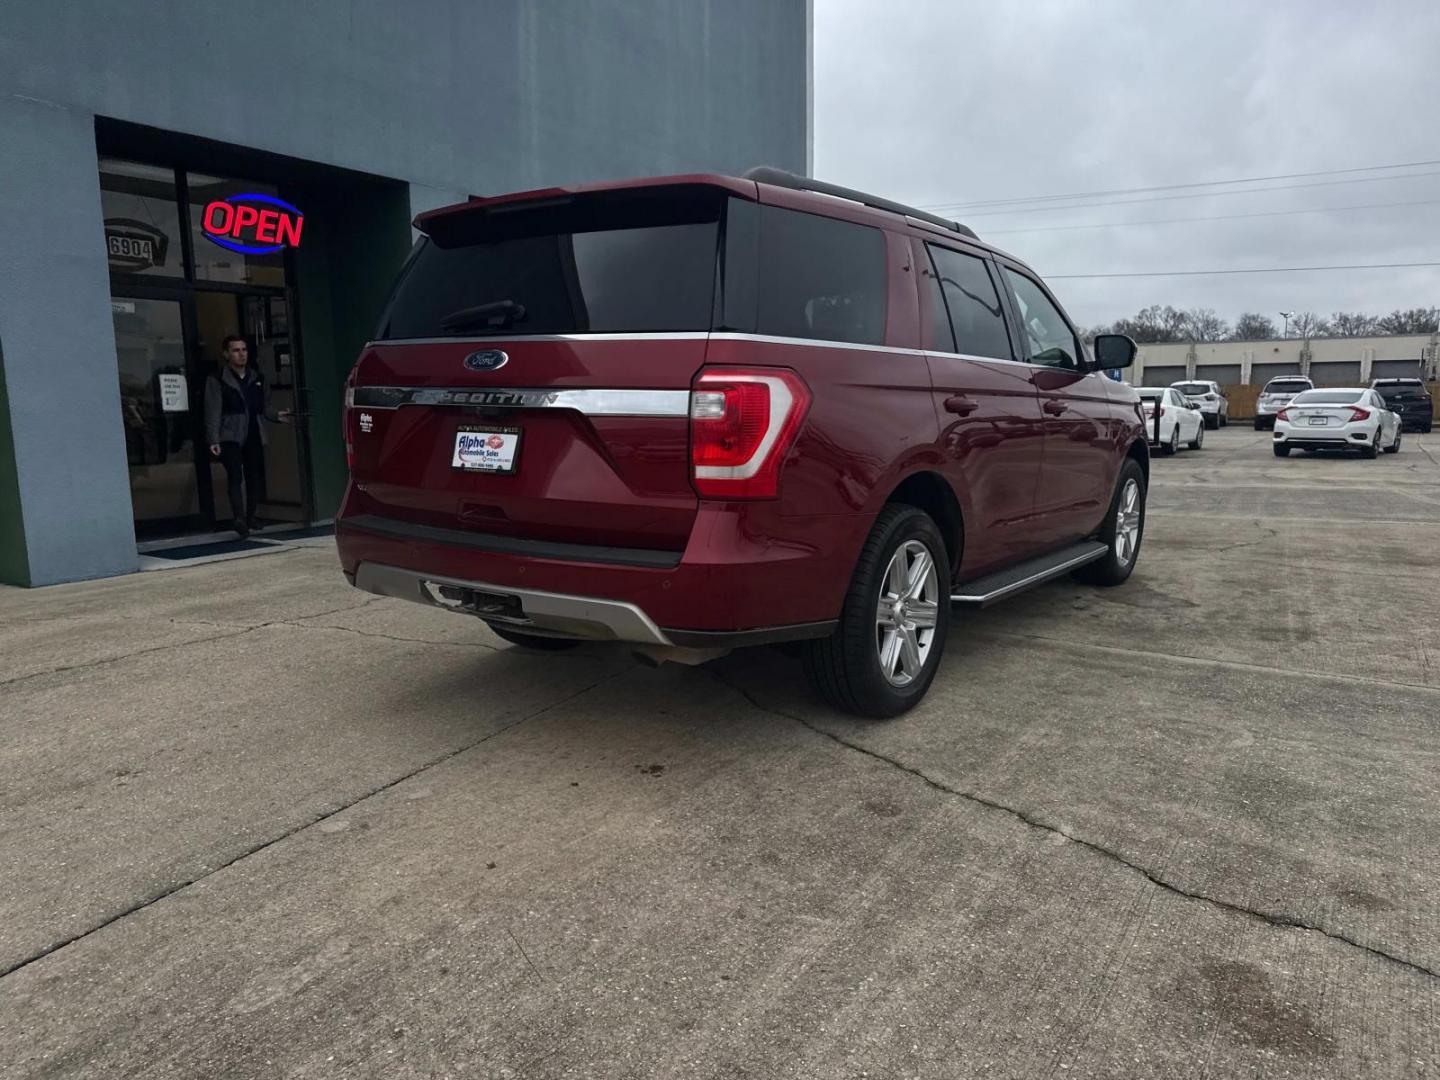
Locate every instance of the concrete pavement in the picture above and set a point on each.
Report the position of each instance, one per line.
(253, 823)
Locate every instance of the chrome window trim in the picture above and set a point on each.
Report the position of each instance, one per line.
(686, 335)
(589, 402)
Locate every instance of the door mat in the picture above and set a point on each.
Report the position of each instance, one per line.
(200, 551)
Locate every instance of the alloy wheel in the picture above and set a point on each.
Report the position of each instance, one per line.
(906, 613)
(1127, 523)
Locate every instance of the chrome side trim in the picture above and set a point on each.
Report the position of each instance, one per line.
(589, 402)
(546, 612)
(684, 335)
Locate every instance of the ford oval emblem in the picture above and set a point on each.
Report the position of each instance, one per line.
(487, 360)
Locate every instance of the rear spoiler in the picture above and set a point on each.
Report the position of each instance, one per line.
(560, 196)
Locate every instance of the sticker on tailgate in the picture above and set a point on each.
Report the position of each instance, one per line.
(485, 449)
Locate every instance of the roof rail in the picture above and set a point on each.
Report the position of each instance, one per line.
(766, 174)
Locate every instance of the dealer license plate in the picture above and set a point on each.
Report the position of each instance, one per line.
(489, 448)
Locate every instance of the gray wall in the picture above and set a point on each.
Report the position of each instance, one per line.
(1224, 374)
(452, 96)
(473, 95)
(59, 369)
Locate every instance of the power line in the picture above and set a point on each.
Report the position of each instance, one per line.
(1204, 195)
(1217, 217)
(1177, 187)
(1254, 270)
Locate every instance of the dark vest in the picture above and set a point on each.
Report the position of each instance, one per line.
(234, 402)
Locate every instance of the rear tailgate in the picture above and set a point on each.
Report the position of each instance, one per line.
(531, 375)
(598, 429)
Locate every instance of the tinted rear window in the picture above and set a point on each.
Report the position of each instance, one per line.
(1285, 388)
(820, 278)
(1193, 388)
(633, 263)
(1328, 397)
(1402, 393)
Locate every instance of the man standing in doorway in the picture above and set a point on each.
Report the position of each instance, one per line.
(235, 429)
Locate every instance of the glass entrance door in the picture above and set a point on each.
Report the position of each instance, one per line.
(161, 400)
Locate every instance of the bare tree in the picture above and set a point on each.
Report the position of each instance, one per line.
(1202, 324)
(1413, 321)
(1252, 326)
(1352, 324)
(1309, 325)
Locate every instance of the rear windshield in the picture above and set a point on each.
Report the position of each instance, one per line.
(1285, 387)
(643, 260)
(1402, 393)
(1194, 388)
(1328, 397)
(640, 263)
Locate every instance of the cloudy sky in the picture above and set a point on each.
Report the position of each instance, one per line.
(941, 102)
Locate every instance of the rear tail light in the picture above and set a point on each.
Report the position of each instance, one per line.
(743, 422)
(347, 419)
(1357, 413)
(1283, 414)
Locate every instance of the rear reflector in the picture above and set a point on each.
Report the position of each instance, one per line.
(743, 422)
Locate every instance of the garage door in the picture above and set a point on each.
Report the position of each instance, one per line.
(1395, 369)
(1224, 374)
(1341, 373)
(1164, 376)
(1260, 374)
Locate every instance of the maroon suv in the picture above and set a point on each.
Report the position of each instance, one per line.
(699, 412)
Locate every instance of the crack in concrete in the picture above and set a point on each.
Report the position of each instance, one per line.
(255, 849)
(1242, 665)
(125, 656)
(1270, 534)
(1028, 819)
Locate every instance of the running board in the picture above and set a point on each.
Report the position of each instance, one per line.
(982, 592)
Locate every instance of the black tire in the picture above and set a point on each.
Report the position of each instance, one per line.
(844, 669)
(1394, 448)
(533, 641)
(1213, 422)
(1425, 428)
(1281, 450)
(1112, 570)
(1259, 426)
(1371, 451)
(1224, 419)
(1199, 439)
(1172, 448)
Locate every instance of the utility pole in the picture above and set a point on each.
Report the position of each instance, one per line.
(1286, 315)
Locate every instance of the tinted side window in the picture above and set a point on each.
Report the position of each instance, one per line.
(975, 311)
(1045, 332)
(821, 278)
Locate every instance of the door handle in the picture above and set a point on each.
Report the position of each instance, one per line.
(1054, 408)
(960, 405)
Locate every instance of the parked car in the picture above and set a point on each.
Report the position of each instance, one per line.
(1410, 400)
(1351, 419)
(1171, 419)
(1214, 405)
(1275, 395)
(697, 413)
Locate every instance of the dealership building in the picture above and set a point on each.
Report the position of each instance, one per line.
(191, 171)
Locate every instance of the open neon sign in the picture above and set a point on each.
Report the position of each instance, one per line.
(239, 224)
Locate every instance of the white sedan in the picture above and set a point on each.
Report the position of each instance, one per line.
(1337, 420)
(1171, 418)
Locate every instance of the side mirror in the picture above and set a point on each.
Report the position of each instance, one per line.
(1114, 351)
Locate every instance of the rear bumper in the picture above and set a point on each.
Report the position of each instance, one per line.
(1339, 439)
(733, 585)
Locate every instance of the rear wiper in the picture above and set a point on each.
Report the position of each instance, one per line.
(496, 315)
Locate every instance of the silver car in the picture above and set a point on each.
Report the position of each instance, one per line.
(1275, 395)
